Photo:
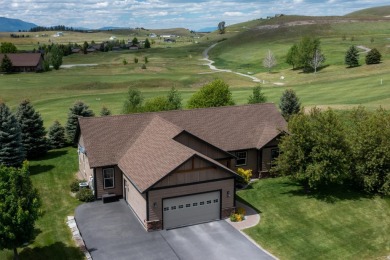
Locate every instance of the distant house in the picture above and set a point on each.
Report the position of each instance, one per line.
(25, 62)
(134, 47)
(169, 40)
(58, 34)
(76, 50)
(152, 35)
(112, 38)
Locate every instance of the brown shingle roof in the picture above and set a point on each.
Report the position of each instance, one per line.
(143, 145)
(23, 59)
(231, 128)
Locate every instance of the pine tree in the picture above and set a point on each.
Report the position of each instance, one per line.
(79, 109)
(56, 135)
(257, 96)
(6, 64)
(289, 103)
(373, 57)
(33, 133)
(352, 57)
(147, 43)
(11, 147)
(56, 57)
(105, 111)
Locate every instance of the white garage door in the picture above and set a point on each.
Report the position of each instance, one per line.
(192, 209)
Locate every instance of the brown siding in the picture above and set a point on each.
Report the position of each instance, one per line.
(84, 168)
(195, 170)
(200, 146)
(118, 187)
(136, 200)
(251, 162)
(155, 213)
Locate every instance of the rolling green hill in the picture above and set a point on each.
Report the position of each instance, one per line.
(380, 11)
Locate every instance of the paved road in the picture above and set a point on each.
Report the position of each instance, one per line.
(111, 231)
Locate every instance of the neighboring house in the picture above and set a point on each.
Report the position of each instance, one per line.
(25, 62)
(134, 47)
(112, 38)
(177, 168)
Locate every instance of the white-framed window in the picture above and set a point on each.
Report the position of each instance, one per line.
(108, 178)
(241, 158)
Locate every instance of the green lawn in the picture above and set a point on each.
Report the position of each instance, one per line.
(52, 175)
(335, 224)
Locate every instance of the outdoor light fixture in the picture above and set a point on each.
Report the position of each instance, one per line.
(228, 194)
(155, 204)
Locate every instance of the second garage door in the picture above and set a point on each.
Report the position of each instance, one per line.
(192, 209)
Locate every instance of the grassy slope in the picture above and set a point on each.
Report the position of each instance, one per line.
(380, 11)
(338, 224)
(52, 175)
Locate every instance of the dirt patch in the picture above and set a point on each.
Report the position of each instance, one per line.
(279, 83)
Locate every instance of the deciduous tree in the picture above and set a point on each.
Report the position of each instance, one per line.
(133, 102)
(221, 27)
(214, 94)
(293, 56)
(257, 96)
(174, 99)
(56, 57)
(79, 109)
(11, 147)
(8, 47)
(19, 208)
(269, 60)
(317, 60)
(33, 132)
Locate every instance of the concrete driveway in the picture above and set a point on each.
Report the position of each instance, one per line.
(112, 231)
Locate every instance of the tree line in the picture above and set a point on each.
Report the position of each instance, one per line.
(323, 148)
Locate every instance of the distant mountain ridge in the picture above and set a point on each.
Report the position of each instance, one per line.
(14, 25)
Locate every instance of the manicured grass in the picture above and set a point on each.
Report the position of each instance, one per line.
(335, 224)
(52, 175)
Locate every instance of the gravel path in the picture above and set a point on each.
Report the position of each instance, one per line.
(365, 49)
(67, 66)
(210, 63)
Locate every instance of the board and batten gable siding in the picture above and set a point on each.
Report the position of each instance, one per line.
(85, 170)
(252, 161)
(200, 146)
(118, 180)
(156, 196)
(194, 170)
(136, 200)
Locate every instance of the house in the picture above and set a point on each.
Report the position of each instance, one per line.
(25, 62)
(177, 168)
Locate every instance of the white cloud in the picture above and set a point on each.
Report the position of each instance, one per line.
(233, 14)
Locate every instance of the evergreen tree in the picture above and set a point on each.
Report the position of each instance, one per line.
(6, 64)
(79, 109)
(174, 99)
(147, 43)
(56, 135)
(289, 103)
(352, 57)
(105, 111)
(19, 208)
(257, 96)
(134, 41)
(11, 147)
(33, 133)
(373, 57)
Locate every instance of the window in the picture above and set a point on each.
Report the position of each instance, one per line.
(241, 158)
(274, 153)
(108, 178)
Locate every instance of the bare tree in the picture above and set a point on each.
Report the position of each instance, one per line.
(317, 60)
(269, 61)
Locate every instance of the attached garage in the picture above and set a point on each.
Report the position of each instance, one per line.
(191, 209)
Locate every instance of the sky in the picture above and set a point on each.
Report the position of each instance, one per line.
(155, 14)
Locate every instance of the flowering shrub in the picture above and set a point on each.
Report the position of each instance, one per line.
(238, 215)
(245, 174)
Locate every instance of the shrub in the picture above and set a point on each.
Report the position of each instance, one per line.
(74, 186)
(238, 215)
(373, 57)
(245, 174)
(143, 66)
(135, 60)
(85, 195)
(124, 61)
(146, 59)
(241, 211)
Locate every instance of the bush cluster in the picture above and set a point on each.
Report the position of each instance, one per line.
(245, 174)
(85, 195)
(238, 215)
(74, 186)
